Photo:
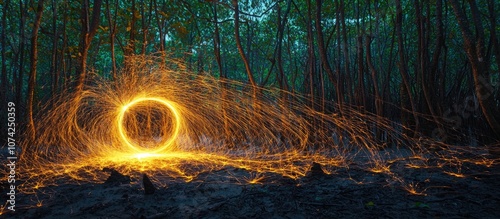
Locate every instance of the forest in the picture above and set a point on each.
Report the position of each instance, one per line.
(430, 65)
(110, 92)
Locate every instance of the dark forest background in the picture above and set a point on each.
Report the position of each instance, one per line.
(431, 65)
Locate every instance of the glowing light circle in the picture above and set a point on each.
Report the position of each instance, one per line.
(176, 120)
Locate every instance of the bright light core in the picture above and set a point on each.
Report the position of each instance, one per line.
(161, 147)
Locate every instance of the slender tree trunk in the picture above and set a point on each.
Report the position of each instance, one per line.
(217, 42)
(434, 65)
(32, 75)
(64, 51)
(159, 23)
(282, 79)
(439, 40)
(292, 68)
(277, 54)
(250, 75)
(54, 67)
(88, 31)
(403, 69)
(373, 71)
(340, 79)
(218, 59)
(474, 47)
(13, 70)
(345, 49)
(130, 47)
(281, 29)
(311, 67)
(427, 77)
(22, 40)
(145, 27)
(378, 102)
(311, 63)
(4, 82)
(249, 52)
(493, 29)
(360, 89)
(112, 36)
(322, 48)
(361, 71)
(386, 88)
(238, 44)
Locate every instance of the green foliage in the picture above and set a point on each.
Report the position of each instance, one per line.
(420, 205)
(370, 204)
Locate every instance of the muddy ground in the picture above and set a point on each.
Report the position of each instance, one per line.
(226, 193)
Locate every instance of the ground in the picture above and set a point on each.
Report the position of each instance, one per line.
(229, 192)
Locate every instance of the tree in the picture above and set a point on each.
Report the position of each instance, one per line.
(282, 20)
(20, 68)
(112, 35)
(55, 39)
(238, 44)
(474, 48)
(334, 53)
(403, 68)
(322, 48)
(32, 74)
(311, 57)
(4, 48)
(345, 50)
(89, 29)
(493, 28)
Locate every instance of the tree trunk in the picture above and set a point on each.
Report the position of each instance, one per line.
(474, 47)
(4, 82)
(493, 28)
(130, 47)
(54, 67)
(361, 99)
(250, 75)
(19, 83)
(373, 71)
(160, 32)
(403, 69)
(322, 48)
(386, 84)
(340, 79)
(378, 101)
(427, 77)
(311, 63)
(112, 36)
(238, 44)
(360, 88)
(281, 29)
(64, 50)
(32, 75)
(439, 45)
(345, 50)
(145, 27)
(88, 31)
(224, 105)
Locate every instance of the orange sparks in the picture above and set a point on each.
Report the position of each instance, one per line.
(458, 175)
(412, 188)
(172, 123)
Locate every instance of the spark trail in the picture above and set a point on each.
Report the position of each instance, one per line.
(165, 121)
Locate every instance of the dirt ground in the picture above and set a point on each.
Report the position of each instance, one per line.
(227, 193)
